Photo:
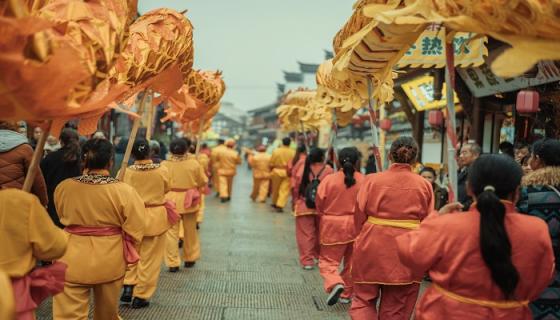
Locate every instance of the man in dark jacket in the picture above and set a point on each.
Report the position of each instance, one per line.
(469, 153)
(15, 159)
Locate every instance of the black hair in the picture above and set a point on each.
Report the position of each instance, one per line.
(178, 146)
(301, 149)
(204, 146)
(286, 141)
(97, 154)
(316, 155)
(491, 178)
(548, 151)
(141, 149)
(349, 158)
(430, 170)
(404, 150)
(506, 148)
(189, 143)
(521, 145)
(70, 139)
(221, 141)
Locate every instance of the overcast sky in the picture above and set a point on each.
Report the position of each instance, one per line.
(252, 41)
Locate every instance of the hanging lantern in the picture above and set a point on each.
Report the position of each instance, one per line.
(435, 118)
(385, 124)
(527, 101)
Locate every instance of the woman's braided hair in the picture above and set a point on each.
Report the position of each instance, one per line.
(404, 150)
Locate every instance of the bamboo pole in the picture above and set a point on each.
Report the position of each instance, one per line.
(305, 139)
(451, 123)
(382, 136)
(37, 156)
(199, 136)
(372, 118)
(132, 137)
(150, 124)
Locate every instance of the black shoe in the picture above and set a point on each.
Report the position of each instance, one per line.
(335, 294)
(197, 226)
(127, 293)
(139, 303)
(274, 206)
(228, 199)
(217, 194)
(279, 210)
(223, 200)
(189, 264)
(173, 269)
(180, 243)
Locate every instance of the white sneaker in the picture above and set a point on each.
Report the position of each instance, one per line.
(335, 294)
(344, 300)
(308, 268)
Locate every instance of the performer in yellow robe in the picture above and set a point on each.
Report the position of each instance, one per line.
(279, 176)
(260, 163)
(151, 181)
(188, 181)
(204, 161)
(214, 162)
(228, 160)
(27, 234)
(105, 219)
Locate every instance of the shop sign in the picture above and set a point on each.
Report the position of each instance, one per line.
(483, 82)
(429, 50)
(420, 91)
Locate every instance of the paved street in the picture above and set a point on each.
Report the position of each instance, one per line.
(248, 270)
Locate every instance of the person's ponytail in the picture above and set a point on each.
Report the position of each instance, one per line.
(494, 242)
(348, 169)
(493, 178)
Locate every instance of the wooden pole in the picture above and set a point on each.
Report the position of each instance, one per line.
(199, 136)
(37, 156)
(150, 124)
(372, 118)
(132, 136)
(382, 136)
(451, 123)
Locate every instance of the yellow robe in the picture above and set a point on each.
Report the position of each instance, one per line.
(279, 176)
(204, 161)
(228, 160)
(7, 308)
(27, 234)
(96, 262)
(215, 164)
(260, 163)
(186, 173)
(151, 181)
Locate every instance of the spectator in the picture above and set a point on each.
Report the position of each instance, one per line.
(15, 159)
(61, 165)
(507, 148)
(155, 151)
(371, 164)
(469, 153)
(37, 132)
(540, 197)
(99, 135)
(440, 194)
(51, 145)
(521, 151)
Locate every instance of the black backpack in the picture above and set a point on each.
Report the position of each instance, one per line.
(311, 190)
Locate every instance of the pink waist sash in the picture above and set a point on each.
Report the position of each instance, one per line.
(131, 256)
(172, 215)
(192, 196)
(31, 289)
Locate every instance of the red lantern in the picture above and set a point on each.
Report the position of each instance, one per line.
(435, 118)
(385, 124)
(527, 101)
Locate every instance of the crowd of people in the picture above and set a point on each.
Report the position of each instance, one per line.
(374, 235)
(90, 228)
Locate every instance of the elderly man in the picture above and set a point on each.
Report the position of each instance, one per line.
(469, 153)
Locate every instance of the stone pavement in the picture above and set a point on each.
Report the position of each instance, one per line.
(248, 270)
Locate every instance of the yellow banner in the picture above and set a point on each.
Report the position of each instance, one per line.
(420, 91)
(429, 50)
